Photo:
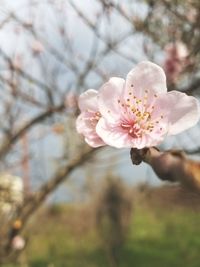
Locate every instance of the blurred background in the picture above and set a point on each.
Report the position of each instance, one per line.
(61, 202)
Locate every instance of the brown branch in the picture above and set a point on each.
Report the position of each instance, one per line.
(23, 73)
(17, 93)
(171, 166)
(192, 151)
(13, 138)
(32, 204)
(95, 30)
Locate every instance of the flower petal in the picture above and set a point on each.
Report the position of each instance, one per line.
(94, 142)
(89, 132)
(82, 125)
(109, 95)
(88, 100)
(183, 111)
(146, 76)
(114, 135)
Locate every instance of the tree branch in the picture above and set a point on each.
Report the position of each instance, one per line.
(23, 73)
(32, 204)
(13, 138)
(171, 166)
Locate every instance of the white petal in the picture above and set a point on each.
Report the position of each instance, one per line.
(94, 142)
(146, 76)
(109, 94)
(183, 111)
(112, 135)
(88, 100)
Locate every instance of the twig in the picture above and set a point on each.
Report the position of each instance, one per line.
(172, 166)
(13, 138)
(32, 204)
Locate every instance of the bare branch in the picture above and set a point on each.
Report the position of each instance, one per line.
(36, 200)
(24, 74)
(7, 144)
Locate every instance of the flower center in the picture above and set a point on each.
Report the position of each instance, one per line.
(138, 115)
(133, 129)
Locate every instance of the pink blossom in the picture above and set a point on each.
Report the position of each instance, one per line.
(18, 243)
(178, 50)
(139, 112)
(17, 62)
(192, 15)
(71, 100)
(37, 47)
(89, 117)
(176, 60)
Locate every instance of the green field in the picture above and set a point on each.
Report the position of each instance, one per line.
(159, 236)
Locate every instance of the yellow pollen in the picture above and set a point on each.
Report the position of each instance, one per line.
(138, 114)
(97, 114)
(147, 114)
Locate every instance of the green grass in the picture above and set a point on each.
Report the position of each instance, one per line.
(158, 237)
(164, 238)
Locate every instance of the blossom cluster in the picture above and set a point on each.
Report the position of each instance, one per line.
(137, 112)
(11, 193)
